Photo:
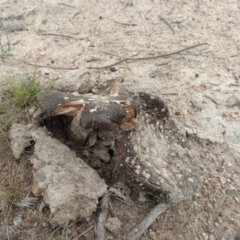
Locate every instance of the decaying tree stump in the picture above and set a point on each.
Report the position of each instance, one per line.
(150, 151)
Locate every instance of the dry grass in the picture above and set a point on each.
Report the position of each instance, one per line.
(9, 189)
(16, 175)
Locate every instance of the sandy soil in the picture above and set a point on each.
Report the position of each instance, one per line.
(201, 84)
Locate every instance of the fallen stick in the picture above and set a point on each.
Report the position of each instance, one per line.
(44, 66)
(126, 24)
(146, 58)
(167, 23)
(61, 35)
(100, 232)
(138, 231)
(118, 62)
(89, 229)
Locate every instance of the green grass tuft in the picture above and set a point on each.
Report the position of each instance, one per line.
(27, 90)
(6, 51)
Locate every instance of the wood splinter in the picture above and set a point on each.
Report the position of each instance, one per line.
(138, 231)
(100, 231)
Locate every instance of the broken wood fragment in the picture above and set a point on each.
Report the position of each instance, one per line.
(92, 111)
(116, 86)
(100, 231)
(138, 231)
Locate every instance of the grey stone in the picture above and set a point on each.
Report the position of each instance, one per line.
(197, 101)
(113, 224)
(140, 84)
(75, 80)
(93, 59)
(233, 100)
(20, 136)
(70, 187)
(17, 221)
(128, 3)
(13, 26)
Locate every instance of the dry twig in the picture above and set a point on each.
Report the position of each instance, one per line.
(89, 229)
(42, 66)
(170, 93)
(126, 24)
(164, 223)
(148, 11)
(147, 58)
(100, 231)
(62, 35)
(129, 204)
(167, 23)
(66, 5)
(120, 61)
(171, 10)
(111, 209)
(138, 231)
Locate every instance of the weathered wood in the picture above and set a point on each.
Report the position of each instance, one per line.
(138, 231)
(151, 151)
(100, 232)
(92, 111)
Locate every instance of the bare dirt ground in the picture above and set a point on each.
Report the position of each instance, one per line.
(201, 88)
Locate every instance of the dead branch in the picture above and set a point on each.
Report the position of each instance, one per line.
(167, 23)
(120, 61)
(89, 229)
(148, 11)
(170, 93)
(111, 209)
(129, 204)
(147, 58)
(42, 66)
(164, 223)
(100, 231)
(62, 35)
(126, 24)
(108, 66)
(171, 10)
(138, 231)
(66, 5)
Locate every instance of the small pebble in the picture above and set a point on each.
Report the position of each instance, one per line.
(32, 110)
(86, 153)
(223, 180)
(113, 69)
(17, 221)
(113, 224)
(177, 113)
(211, 237)
(128, 3)
(93, 59)
(205, 236)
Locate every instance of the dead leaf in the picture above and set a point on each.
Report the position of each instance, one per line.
(37, 192)
(116, 86)
(128, 121)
